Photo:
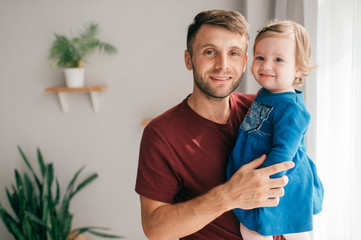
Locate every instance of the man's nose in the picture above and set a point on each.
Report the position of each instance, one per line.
(222, 62)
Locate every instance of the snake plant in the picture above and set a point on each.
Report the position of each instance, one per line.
(40, 211)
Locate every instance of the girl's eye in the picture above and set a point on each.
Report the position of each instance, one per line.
(279, 60)
(260, 58)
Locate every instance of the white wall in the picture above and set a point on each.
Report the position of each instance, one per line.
(258, 13)
(145, 78)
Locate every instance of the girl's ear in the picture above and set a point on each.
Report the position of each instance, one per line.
(298, 73)
(188, 60)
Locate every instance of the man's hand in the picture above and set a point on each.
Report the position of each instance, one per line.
(251, 188)
(248, 188)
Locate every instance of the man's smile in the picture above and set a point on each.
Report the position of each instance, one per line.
(221, 78)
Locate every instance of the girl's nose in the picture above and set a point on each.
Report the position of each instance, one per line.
(266, 65)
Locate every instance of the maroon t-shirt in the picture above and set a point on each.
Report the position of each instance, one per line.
(183, 155)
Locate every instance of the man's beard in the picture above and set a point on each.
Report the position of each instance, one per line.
(206, 88)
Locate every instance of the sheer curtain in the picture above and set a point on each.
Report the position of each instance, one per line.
(339, 118)
(333, 97)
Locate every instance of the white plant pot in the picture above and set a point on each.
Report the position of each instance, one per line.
(74, 77)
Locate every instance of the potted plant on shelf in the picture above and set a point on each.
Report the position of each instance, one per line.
(40, 212)
(71, 54)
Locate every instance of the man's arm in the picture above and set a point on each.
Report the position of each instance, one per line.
(248, 188)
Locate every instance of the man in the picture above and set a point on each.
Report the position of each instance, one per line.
(184, 152)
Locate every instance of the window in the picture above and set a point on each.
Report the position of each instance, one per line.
(339, 118)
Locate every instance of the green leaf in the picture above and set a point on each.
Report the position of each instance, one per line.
(49, 179)
(26, 160)
(90, 31)
(34, 218)
(91, 231)
(12, 226)
(64, 51)
(41, 162)
(27, 229)
(46, 191)
(22, 204)
(67, 196)
(67, 224)
(14, 200)
(30, 168)
(72, 181)
(108, 48)
(4, 215)
(29, 187)
(19, 181)
(57, 197)
(85, 229)
(105, 235)
(85, 183)
(55, 228)
(20, 200)
(76, 40)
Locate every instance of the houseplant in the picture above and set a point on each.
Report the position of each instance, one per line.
(40, 212)
(71, 53)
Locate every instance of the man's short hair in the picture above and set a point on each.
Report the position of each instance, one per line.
(232, 20)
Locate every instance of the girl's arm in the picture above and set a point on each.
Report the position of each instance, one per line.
(290, 123)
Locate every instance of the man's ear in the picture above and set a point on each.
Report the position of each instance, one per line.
(188, 60)
(245, 63)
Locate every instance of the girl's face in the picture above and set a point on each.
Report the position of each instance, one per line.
(274, 66)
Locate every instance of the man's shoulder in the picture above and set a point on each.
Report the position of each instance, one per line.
(169, 116)
(182, 113)
(244, 96)
(242, 99)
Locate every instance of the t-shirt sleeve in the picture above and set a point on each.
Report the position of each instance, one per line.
(290, 123)
(157, 178)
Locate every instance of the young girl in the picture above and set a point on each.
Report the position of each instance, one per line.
(276, 125)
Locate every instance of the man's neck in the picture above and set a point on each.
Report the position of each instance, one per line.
(214, 109)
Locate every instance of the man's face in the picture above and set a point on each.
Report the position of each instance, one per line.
(218, 61)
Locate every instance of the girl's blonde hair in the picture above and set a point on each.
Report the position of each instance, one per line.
(303, 44)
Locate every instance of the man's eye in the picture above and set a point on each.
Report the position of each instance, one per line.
(279, 60)
(208, 52)
(234, 54)
(260, 58)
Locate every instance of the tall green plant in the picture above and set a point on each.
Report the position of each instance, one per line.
(40, 212)
(72, 53)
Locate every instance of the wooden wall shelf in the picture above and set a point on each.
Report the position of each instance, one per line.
(93, 91)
